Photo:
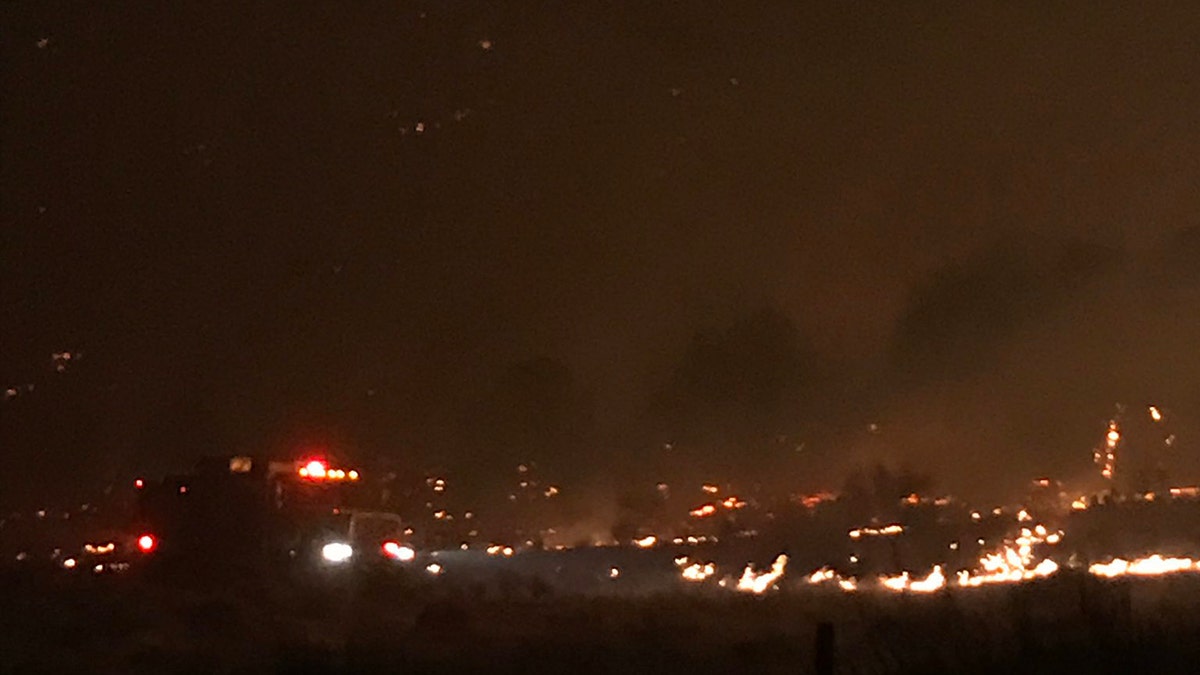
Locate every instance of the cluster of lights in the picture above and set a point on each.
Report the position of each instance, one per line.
(1106, 456)
(693, 540)
(711, 508)
(318, 470)
(886, 531)
(497, 549)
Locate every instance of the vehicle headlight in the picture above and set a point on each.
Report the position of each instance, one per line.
(336, 552)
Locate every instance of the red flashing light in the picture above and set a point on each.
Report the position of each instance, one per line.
(147, 543)
(314, 469)
(139, 483)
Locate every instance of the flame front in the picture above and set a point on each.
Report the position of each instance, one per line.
(759, 583)
(1150, 566)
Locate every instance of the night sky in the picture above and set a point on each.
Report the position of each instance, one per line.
(625, 240)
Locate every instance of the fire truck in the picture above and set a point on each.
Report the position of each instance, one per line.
(245, 509)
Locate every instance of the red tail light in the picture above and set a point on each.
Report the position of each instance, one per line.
(147, 543)
(396, 551)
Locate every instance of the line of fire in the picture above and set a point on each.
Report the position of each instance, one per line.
(319, 513)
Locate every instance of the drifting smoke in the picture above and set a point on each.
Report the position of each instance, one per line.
(1005, 366)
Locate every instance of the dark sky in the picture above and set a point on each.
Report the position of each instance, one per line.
(462, 233)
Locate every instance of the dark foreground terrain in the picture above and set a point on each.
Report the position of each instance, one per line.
(221, 621)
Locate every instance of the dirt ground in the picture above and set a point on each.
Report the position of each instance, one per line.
(220, 622)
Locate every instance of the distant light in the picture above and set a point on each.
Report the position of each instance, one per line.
(614, 572)
(147, 543)
(336, 552)
(314, 469)
(98, 569)
(139, 484)
(397, 552)
(353, 474)
(69, 563)
(434, 569)
(646, 542)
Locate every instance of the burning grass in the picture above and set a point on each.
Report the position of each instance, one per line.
(1069, 622)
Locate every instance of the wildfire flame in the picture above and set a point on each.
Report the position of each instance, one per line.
(1154, 565)
(698, 572)
(759, 583)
